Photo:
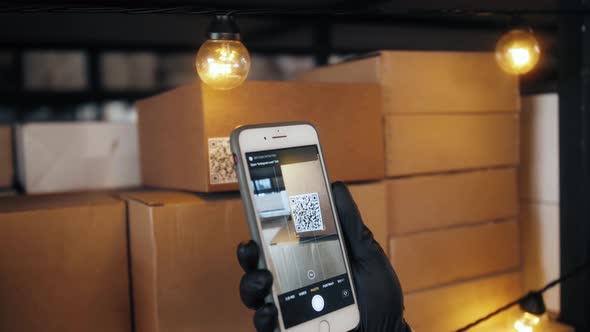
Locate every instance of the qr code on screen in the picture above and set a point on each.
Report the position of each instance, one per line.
(307, 215)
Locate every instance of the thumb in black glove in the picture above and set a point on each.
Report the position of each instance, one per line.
(378, 291)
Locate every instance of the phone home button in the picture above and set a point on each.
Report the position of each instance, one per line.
(324, 326)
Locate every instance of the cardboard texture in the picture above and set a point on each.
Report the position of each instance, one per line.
(57, 157)
(423, 203)
(64, 264)
(6, 161)
(539, 176)
(419, 144)
(183, 132)
(370, 199)
(451, 307)
(185, 273)
(434, 258)
(430, 82)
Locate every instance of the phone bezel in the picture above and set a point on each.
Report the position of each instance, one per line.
(260, 138)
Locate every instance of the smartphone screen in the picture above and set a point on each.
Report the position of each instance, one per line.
(299, 232)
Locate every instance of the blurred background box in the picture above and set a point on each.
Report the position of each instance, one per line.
(55, 70)
(429, 259)
(55, 157)
(184, 267)
(129, 71)
(64, 263)
(6, 160)
(184, 133)
(451, 307)
(438, 201)
(430, 82)
(7, 192)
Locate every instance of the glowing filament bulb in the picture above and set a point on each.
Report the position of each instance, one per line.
(517, 52)
(527, 322)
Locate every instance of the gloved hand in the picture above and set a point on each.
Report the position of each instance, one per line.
(378, 290)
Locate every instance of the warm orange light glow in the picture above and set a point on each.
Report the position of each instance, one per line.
(518, 52)
(223, 64)
(527, 323)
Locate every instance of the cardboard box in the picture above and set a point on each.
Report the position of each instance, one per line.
(64, 263)
(434, 258)
(54, 157)
(430, 82)
(420, 144)
(184, 133)
(6, 161)
(184, 267)
(451, 307)
(370, 199)
(539, 176)
(423, 203)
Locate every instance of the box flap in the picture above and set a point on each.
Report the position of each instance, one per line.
(56, 201)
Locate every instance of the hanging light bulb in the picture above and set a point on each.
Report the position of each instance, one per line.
(533, 308)
(223, 62)
(518, 51)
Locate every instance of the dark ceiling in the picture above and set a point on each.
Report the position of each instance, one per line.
(281, 26)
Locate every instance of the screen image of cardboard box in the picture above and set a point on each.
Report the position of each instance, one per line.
(184, 133)
(58, 157)
(431, 202)
(451, 307)
(184, 267)
(420, 144)
(371, 201)
(64, 263)
(6, 161)
(430, 82)
(428, 259)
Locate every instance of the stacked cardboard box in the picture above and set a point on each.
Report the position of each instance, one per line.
(183, 245)
(451, 127)
(64, 263)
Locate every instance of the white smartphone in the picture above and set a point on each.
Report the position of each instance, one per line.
(291, 214)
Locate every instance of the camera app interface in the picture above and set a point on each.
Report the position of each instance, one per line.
(299, 232)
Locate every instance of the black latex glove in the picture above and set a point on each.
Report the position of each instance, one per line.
(378, 290)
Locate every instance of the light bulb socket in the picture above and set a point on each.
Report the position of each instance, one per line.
(533, 303)
(518, 23)
(223, 27)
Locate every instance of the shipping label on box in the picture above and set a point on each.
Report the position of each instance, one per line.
(222, 168)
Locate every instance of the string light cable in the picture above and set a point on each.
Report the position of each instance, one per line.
(531, 303)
